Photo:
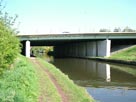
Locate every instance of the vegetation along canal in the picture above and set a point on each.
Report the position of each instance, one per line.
(105, 82)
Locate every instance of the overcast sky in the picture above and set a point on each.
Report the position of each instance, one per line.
(56, 16)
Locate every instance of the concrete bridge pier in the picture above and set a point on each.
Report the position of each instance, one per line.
(95, 48)
(103, 48)
(27, 49)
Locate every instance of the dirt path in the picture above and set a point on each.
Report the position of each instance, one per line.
(41, 67)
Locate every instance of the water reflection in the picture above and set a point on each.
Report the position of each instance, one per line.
(107, 83)
(91, 73)
(103, 71)
(46, 57)
(82, 69)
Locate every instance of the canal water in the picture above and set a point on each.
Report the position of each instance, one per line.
(105, 82)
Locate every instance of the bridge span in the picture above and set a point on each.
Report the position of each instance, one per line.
(79, 44)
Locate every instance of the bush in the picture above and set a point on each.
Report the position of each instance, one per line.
(9, 44)
(19, 84)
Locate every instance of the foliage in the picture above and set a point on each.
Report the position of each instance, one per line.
(9, 44)
(40, 51)
(117, 29)
(104, 30)
(19, 84)
(127, 29)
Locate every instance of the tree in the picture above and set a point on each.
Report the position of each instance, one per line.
(9, 44)
(128, 29)
(104, 30)
(117, 29)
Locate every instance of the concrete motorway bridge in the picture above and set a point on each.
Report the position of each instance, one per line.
(79, 44)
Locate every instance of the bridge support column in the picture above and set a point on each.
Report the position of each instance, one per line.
(104, 48)
(27, 50)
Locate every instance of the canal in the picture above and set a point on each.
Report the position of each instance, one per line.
(105, 82)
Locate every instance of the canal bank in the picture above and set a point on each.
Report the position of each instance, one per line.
(126, 56)
(65, 89)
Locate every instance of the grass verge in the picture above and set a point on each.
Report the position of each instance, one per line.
(48, 92)
(128, 54)
(20, 83)
(76, 93)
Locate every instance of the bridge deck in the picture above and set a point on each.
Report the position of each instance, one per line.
(79, 36)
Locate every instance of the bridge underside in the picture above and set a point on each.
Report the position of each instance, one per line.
(80, 48)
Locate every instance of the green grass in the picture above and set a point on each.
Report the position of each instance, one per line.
(49, 91)
(128, 54)
(76, 93)
(20, 83)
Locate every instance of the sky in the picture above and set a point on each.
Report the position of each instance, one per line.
(74, 16)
